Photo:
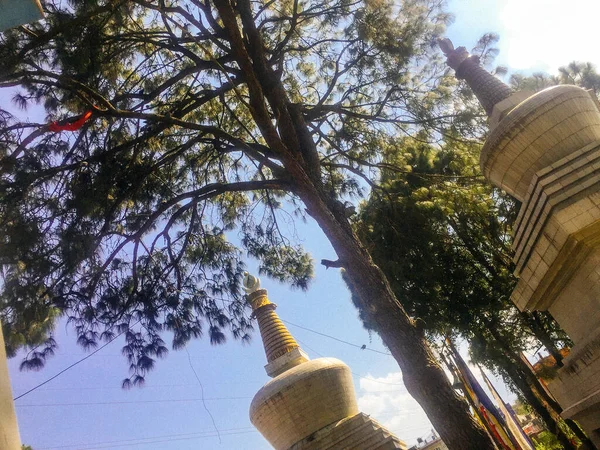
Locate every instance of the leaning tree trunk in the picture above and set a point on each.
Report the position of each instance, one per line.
(423, 377)
(523, 368)
(534, 323)
(541, 408)
(542, 411)
(292, 141)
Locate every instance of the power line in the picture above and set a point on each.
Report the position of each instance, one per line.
(117, 444)
(99, 388)
(164, 436)
(123, 332)
(353, 373)
(73, 365)
(168, 440)
(362, 347)
(145, 386)
(129, 402)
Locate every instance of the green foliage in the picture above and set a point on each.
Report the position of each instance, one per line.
(441, 235)
(522, 408)
(139, 222)
(547, 441)
(580, 74)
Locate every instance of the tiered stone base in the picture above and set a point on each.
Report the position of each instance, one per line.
(557, 257)
(359, 432)
(557, 229)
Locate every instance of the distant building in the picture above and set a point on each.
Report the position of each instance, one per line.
(431, 442)
(546, 367)
(437, 444)
(532, 425)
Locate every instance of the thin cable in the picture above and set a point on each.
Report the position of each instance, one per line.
(353, 373)
(145, 386)
(129, 402)
(74, 364)
(202, 393)
(159, 441)
(102, 388)
(337, 339)
(164, 436)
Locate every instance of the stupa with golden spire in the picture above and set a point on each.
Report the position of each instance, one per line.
(308, 404)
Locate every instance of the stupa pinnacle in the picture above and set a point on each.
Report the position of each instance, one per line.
(488, 89)
(282, 350)
(309, 404)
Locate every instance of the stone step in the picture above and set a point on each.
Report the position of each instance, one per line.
(352, 440)
(372, 440)
(349, 428)
(360, 432)
(385, 441)
(330, 435)
(390, 443)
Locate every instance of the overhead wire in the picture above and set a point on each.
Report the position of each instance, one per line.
(129, 442)
(146, 386)
(164, 436)
(353, 373)
(362, 347)
(202, 399)
(189, 358)
(73, 365)
(100, 388)
(187, 436)
(128, 402)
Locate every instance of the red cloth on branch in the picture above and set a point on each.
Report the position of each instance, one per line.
(73, 126)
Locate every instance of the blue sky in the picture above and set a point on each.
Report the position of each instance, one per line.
(85, 408)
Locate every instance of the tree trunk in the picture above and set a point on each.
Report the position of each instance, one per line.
(291, 139)
(536, 325)
(586, 442)
(555, 408)
(540, 391)
(523, 368)
(541, 410)
(423, 377)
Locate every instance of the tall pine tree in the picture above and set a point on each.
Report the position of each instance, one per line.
(207, 117)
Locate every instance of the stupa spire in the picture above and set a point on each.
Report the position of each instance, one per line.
(282, 350)
(488, 89)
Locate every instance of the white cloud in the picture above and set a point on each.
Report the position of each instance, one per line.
(547, 34)
(387, 401)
